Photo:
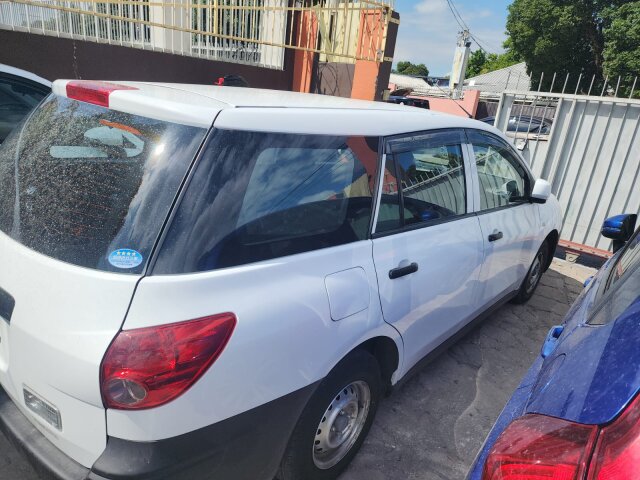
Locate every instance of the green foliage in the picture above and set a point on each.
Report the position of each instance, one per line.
(556, 36)
(408, 68)
(480, 62)
(477, 61)
(588, 37)
(622, 42)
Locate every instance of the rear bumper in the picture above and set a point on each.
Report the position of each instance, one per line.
(48, 461)
(248, 446)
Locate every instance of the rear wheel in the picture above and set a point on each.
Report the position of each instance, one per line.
(334, 424)
(531, 281)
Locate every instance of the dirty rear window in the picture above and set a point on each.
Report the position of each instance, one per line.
(91, 186)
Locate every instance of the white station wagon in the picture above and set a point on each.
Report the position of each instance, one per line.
(221, 283)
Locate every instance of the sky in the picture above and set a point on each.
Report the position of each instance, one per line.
(428, 30)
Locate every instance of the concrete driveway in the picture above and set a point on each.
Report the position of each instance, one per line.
(432, 427)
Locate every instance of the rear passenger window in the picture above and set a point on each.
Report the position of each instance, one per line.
(424, 181)
(256, 196)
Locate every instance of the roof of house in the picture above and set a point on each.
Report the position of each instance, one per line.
(514, 77)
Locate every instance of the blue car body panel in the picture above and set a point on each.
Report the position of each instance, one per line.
(593, 372)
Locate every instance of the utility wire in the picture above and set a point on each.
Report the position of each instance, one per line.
(458, 19)
(463, 25)
(456, 14)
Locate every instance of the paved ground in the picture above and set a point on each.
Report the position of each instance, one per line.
(432, 427)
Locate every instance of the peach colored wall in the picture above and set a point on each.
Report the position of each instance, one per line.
(303, 60)
(365, 76)
(366, 72)
(447, 105)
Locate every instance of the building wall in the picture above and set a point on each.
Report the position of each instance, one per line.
(333, 78)
(389, 51)
(54, 58)
(306, 28)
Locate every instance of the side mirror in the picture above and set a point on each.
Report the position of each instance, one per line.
(619, 228)
(541, 191)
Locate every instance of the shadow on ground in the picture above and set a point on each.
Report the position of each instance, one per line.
(432, 427)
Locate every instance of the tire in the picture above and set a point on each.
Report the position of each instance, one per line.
(532, 279)
(313, 453)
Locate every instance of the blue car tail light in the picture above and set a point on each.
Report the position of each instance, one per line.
(537, 447)
(617, 454)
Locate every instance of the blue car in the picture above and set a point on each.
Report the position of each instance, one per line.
(576, 414)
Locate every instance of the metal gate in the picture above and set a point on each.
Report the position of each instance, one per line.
(588, 148)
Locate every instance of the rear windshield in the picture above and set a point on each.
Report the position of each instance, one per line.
(256, 196)
(91, 186)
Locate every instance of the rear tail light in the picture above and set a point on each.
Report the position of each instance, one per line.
(617, 455)
(93, 92)
(536, 447)
(148, 367)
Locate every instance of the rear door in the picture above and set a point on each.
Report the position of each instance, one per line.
(509, 221)
(85, 191)
(427, 245)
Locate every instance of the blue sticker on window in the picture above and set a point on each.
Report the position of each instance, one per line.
(125, 258)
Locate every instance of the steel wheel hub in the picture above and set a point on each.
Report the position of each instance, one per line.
(536, 272)
(341, 424)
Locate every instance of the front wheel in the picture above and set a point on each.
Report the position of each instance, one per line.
(531, 281)
(334, 424)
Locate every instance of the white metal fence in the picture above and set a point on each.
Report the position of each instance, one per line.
(591, 153)
(255, 32)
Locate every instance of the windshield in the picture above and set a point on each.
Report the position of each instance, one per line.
(623, 284)
(91, 186)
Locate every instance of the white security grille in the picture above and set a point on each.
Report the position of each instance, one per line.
(255, 32)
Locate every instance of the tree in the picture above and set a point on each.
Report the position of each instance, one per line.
(622, 43)
(481, 62)
(573, 36)
(556, 36)
(477, 61)
(408, 68)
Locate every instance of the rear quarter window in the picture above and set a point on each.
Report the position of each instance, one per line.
(257, 196)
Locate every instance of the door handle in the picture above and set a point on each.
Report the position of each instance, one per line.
(402, 271)
(551, 341)
(495, 236)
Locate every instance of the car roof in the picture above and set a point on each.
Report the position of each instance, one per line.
(273, 110)
(24, 74)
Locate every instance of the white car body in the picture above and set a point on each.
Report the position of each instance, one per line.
(20, 92)
(18, 72)
(297, 315)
